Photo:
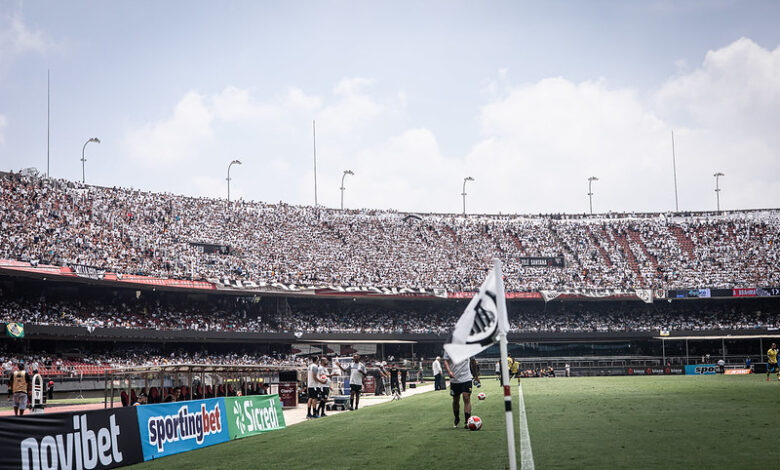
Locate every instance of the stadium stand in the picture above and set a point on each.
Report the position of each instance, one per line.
(438, 318)
(133, 232)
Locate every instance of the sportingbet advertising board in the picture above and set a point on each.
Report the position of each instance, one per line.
(254, 414)
(701, 369)
(171, 428)
(81, 440)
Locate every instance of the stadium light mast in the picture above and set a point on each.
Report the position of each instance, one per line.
(590, 191)
(94, 139)
(717, 188)
(234, 162)
(468, 178)
(346, 172)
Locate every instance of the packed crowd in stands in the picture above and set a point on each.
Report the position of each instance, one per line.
(158, 234)
(95, 362)
(437, 318)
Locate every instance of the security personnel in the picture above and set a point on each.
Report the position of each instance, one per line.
(20, 381)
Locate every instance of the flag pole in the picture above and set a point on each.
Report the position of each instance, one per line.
(501, 305)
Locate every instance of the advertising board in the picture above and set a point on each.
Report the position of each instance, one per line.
(701, 369)
(85, 440)
(171, 428)
(254, 414)
(657, 370)
(288, 393)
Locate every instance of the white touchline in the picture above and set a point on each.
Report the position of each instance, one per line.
(526, 454)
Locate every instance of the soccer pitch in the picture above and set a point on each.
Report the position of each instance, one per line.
(600, 422)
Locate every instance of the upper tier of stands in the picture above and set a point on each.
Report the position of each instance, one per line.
(133, 232)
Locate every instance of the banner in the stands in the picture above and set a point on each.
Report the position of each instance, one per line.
(541, 262)
(14, 330)
(262, 287)
(645, 295)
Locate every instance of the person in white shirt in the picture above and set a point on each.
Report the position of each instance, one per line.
(460, 386)
(437, 385)
(323, 377)
(313, 389)
(356, 373)
(498, 371)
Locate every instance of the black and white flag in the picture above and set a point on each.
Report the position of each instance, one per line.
(481, 322)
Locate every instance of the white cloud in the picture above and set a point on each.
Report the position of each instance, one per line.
(17, 38)
(736, 88)
(541, 141)
(730, 108)
(3, 123)
(538, 143)
(405, 172)
(175, 139)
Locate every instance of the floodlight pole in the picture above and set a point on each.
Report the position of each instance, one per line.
(346, 172)
(590, 191)
(468, 178)
(83, 159)
(234, 162)
(717, 189)
(674, 168)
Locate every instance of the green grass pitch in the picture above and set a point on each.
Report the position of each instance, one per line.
(601, 422)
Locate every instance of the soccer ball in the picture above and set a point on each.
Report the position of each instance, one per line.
(324, 378)
(481, 395)
(474, 423)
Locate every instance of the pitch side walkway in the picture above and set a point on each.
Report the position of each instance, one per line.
(298, 414)
(62, 408)
(291, 415)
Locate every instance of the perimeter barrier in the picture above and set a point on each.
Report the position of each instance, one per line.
(110, 438)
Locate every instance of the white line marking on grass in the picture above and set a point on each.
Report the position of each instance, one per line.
(526, 454)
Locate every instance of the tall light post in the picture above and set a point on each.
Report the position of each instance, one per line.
(94, 139)
(468, 178)
(234, 162)
(590, 191)
(346, 172)
(717, 188)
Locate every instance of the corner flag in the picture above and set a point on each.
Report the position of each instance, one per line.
(482, 321)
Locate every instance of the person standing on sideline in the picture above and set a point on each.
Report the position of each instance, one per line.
(771, 362)
(747, 363)
(515, 370)
(498, 371)
(20, 380)
(437, 374)
(568, 370)
(313, 388)
(323, 377)
(356, 373)
(460, 386)
(721, 366)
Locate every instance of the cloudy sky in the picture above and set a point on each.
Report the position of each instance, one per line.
(529, 98)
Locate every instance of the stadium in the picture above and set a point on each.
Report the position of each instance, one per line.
(148, 281)
(351, 235)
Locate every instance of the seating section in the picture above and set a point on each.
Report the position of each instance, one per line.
(160, 234)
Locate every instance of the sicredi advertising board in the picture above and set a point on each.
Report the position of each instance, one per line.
(171, 428)
(80, 440)
(254, 415)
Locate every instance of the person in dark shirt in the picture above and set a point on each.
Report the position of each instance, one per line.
(395, 388)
